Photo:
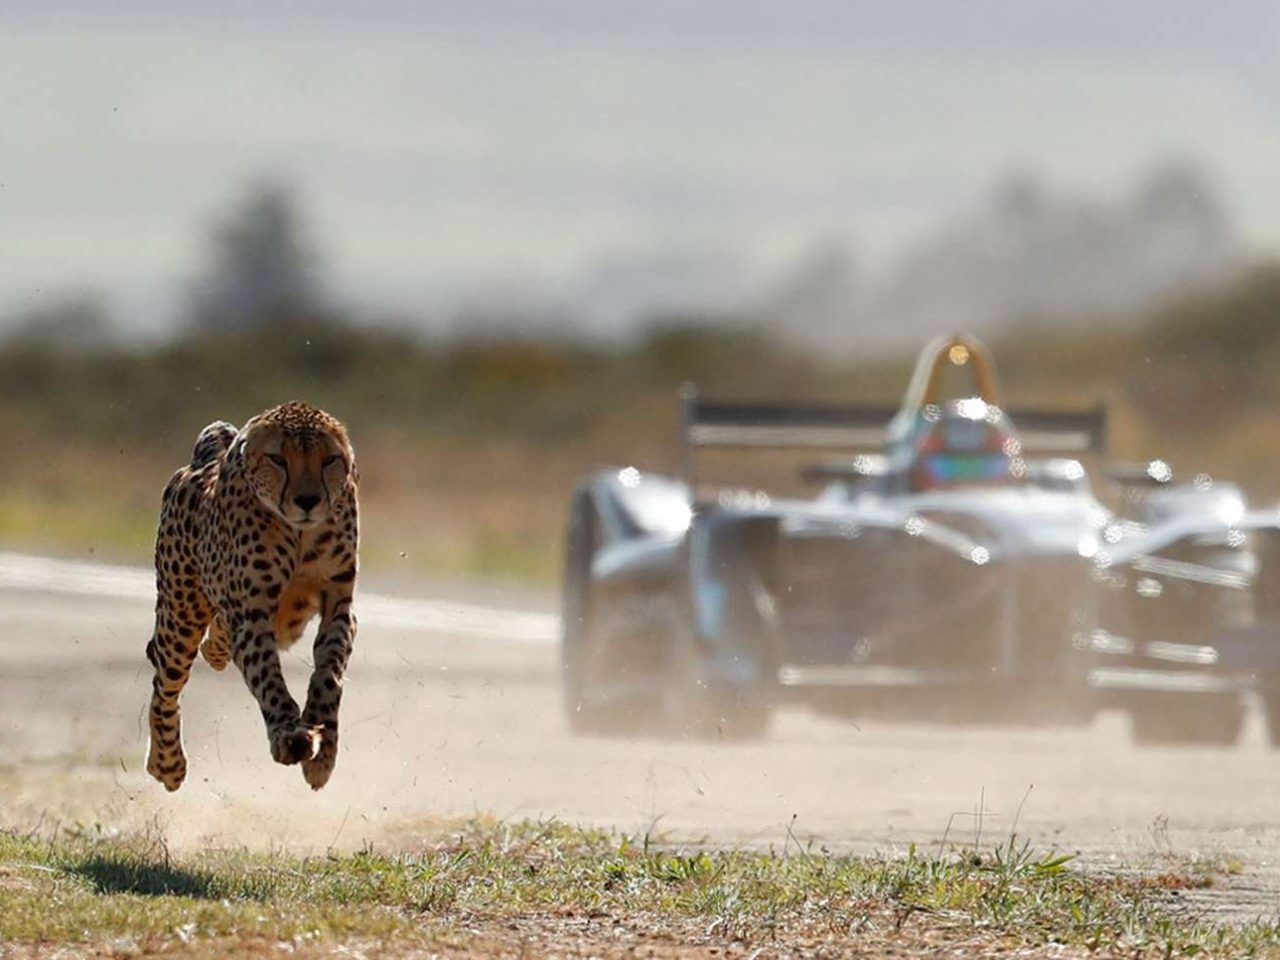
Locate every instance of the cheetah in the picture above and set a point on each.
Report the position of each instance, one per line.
(258, 535)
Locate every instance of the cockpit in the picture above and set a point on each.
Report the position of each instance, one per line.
(952, 431)
(964, 443)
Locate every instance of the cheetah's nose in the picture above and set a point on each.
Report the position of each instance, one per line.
(306, 502)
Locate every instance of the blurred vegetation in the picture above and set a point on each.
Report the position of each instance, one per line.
(467, 447)
(470, 445)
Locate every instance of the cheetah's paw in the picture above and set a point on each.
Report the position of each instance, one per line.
(295, 744)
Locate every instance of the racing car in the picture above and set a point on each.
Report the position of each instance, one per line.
(953, 563)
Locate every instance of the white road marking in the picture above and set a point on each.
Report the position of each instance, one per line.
(19, 571)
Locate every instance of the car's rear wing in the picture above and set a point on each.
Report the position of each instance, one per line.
(728, 425)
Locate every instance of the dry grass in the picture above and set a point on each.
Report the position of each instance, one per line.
(547, 890)
(493, 509)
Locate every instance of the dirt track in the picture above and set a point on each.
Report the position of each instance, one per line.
(438, 726)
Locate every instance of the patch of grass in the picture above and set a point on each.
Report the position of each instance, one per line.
(87, 889)
(112, 874)
(497, 512)
(94, 525)
(80, 890)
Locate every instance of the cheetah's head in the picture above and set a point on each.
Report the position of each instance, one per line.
(298, 474)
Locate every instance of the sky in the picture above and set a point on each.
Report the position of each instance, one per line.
(445, 148)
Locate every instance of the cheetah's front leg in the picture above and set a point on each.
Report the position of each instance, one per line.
(254, 651)
(334, 642)
(171, 651)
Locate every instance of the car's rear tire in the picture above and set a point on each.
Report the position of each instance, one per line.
(1202, 719)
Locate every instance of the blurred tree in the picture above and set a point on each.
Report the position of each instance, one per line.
(75, 323)
(263, 270)
(1182, 233)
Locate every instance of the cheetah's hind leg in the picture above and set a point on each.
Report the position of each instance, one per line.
(216, 648)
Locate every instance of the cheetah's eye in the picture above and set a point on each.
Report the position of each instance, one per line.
(328, 462)
(278, 460)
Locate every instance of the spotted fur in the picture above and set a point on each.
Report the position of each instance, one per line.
(258, 535)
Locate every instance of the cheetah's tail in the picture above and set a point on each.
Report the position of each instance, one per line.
(213, 442)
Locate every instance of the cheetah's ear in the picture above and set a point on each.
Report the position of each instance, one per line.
(250, 433)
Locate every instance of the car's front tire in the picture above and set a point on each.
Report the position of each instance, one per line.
(1270, 694)
(583, 715)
